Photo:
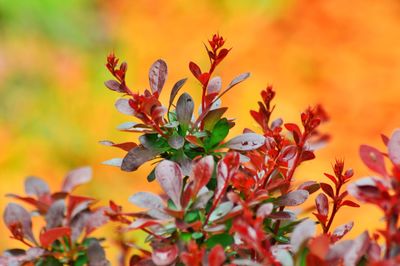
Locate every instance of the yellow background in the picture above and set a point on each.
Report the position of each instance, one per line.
(54, 107)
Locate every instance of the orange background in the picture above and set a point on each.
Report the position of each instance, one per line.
(54, 107)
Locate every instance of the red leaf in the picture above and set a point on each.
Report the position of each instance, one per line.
(77, 204)
(195, 69)
(319, 247)
(307, 155)
(169, 175)
(295, 130)
(327, 189)
(41, 206)
(332, 178)
(222, 54)
(194, 140)
(140, 223)
(321, 202)
(373, 159)
(385, 139)
(350, 203)
(126, 146)
(203, 78)
(216, 256)
(202, 172)
(47, 238)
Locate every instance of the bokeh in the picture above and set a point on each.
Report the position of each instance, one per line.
(54, 108)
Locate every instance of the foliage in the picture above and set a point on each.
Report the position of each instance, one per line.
(224, 201)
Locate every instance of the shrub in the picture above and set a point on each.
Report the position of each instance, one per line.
(224, 201)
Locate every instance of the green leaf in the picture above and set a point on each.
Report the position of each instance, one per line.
(218, 133)
(213, 117)
(81, 260)
(282, 239)
(154, 142)
(303, 257)
(223, 239)
(186, 236)
(48, 261)
(152, 176)
(197, 235)
(192, 216)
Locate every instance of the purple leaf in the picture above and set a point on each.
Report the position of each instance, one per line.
(123, 107)
(96, 255)
(282, 215)
(136, 157)
(321, 202)
(373, 159)
(55, 215)
(221, 210)
(265, 209)
(214, 85)
(239, 79)
(337, 251)
(310, 186)
(175, 91)
(301, 233)
(165, 256)
(176, 141)
(246, 142)
(288, 153)
(133, 127)
(184, 109)
(357, 250)
(97, 219)
(113, 162)
(394, 148)
(293, 198)
(342, 230)
(146, 200)
(36, 187)
(157, 75)
(76, 177)
(18, 220)
(202, 172)
(169, 175)
(114, 86)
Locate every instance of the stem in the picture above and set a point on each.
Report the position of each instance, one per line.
(391, 223)
(334, 209)
(291, 173)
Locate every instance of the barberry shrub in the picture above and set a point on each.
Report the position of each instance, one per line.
(224, 201)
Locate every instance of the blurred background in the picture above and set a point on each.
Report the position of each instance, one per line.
(54, 107)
